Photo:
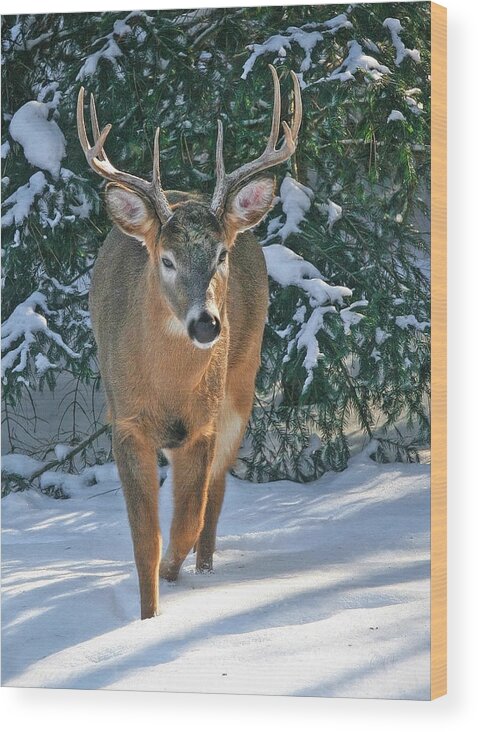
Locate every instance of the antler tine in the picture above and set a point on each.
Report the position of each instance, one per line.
(80, 121)
(98, 161)
(225, 182)
(90, 152)
(97, 150)
(275, 126)
(297, 107)
(95, 126)
(220, 171)
(156, 166)
(161, 202)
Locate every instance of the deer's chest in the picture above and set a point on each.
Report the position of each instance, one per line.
(180, 410)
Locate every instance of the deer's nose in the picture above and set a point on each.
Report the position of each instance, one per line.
(205, 328)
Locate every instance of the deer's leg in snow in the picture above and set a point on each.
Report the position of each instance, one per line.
(136, 458)
(207, 540)
(191, 467)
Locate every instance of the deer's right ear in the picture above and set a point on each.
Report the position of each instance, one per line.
(131, 212)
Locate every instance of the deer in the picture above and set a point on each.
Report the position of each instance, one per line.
(178, 304)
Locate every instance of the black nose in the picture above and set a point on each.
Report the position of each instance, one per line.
(205, 329)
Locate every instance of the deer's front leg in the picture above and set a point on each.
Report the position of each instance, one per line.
(136, 459)
(191, 467)
(207, 540)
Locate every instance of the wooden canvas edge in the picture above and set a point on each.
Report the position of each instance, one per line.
(438, 548)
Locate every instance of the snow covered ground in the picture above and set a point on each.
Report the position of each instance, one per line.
(319, 589)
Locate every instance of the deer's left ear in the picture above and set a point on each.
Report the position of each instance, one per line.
(248, 206)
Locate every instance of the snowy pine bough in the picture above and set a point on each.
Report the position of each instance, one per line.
(346, 244)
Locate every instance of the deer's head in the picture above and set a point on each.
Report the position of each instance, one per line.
(189, 242)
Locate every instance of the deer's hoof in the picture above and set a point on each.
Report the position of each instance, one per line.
(204, 567)
(168, 571)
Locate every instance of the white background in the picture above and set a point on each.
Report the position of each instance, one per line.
(76, 710)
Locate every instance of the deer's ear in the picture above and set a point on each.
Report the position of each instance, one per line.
(246, 207)
(131, 212)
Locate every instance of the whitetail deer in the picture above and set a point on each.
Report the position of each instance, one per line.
(178, 304)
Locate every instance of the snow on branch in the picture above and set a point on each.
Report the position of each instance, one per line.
(20, 202)
(296, 200)
(306, 339)
(306, 37)
(21, 328)
(192, 16)
(350, 317)
(288, 268)
(333, 211)
(110, 50)
(356, 60)
(394, 26)
(395, 116)
(42, 140)
(404, 321)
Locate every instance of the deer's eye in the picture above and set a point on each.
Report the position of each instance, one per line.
(167, 263)
(222, 256)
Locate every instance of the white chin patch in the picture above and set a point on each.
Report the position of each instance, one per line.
(204, 346)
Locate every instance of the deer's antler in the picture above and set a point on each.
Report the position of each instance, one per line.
(98, 161)
(225, 182)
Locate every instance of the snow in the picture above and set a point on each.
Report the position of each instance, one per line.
(23, 325)
(29, 45)
(338, 22)
(193, 16)
(334, 212)
(305, 37)
(355, 61)
(84, 207)
(320, 589)
(403, 321)
(121, 28)
(110, 50)
(307, 41)
(53, 89)
(414, 106)
(394, 26)
(274, 44)
(296, 200)
(21, 201)
(395, 115)
(306, 339)
(17, 464)
(62, 451)
(381, 336)
(42, 364)
(350, 317)
(288, 268)
(42, 140)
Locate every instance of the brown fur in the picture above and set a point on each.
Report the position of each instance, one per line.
(165, 393)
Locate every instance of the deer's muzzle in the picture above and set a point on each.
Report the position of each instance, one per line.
(204, 329)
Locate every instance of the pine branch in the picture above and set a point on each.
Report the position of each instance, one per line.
(81, 446)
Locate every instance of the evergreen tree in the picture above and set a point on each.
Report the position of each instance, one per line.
(347, 341)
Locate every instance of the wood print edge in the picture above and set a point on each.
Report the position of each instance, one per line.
(438, 548)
